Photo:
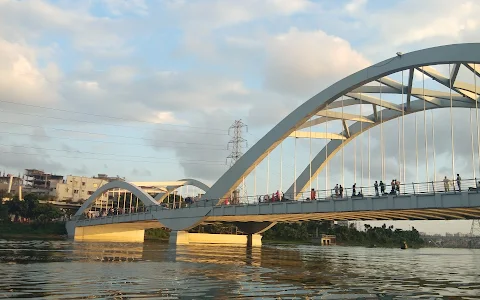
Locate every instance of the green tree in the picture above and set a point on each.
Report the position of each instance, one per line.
(17, 208)
(46, 213)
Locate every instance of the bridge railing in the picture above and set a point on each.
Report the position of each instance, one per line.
(405, 189)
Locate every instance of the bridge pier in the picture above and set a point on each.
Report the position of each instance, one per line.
(187, 238)
(107, 233)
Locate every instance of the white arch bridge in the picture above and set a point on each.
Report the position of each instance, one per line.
(386, 98)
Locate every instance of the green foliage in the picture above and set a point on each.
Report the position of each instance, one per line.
(157, 234)
(32, 209)
(4, 216)
(32, 230)
(372, 236)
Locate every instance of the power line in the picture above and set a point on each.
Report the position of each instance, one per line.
(105, 116)
(112, 142)
(98, 153)
(98, 123)
(95, 133)
(198, 162)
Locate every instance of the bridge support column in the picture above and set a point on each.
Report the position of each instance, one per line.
(108, 233)
(186, 238)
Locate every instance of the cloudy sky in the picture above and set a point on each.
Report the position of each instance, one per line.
(148, 89)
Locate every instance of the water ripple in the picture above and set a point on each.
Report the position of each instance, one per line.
(69, 270)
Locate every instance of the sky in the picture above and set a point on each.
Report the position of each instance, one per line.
(147, 90)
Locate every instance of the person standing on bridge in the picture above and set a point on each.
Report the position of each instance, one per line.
(341, 191)
(458, 182)
(313, 194)
(336, 190)
(354, 189)
(382, 187)
(446, 184)
(375, 185)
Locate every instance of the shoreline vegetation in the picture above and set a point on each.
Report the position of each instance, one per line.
(29, 219)
(286, 234)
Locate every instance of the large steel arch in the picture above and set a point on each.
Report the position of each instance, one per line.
(146, 199)
(451, 54)
(328, 152)
(193, 182)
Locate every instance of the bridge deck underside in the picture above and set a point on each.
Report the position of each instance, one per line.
(423, 214)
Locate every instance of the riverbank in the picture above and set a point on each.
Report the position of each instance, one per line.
(50, 231)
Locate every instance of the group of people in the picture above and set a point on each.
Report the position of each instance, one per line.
(276, 197)
(446, 183)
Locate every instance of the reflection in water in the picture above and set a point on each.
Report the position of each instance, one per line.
(69, 270)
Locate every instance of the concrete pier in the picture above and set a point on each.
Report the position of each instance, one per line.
(186, 238)
(107, 233)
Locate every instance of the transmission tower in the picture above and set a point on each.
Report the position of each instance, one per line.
(475, 230)
(237, 143)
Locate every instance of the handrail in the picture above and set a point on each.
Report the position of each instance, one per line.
(422, 188)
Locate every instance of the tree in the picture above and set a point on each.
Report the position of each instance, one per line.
(46, 213)
(17, 208)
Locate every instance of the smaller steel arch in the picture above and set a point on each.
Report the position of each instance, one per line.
(146, 199)
(196, 183)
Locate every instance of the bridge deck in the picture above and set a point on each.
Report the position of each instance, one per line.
(434, 206)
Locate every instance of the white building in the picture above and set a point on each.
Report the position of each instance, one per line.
(79, 188)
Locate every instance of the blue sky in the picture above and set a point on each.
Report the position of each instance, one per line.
(147, 89)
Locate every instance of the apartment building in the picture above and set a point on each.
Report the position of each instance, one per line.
(38, 182)
(80, 188)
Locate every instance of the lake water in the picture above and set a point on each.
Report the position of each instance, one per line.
(68, 270)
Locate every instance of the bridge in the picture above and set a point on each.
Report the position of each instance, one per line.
(386, 98)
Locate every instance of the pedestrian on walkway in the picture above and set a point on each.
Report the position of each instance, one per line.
(313, 194)
(341, 191)
(375, 185)
(354, 191)
(446, 184)
(458, 182)
(336, 190)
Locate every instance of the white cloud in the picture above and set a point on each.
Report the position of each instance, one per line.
(22, 79)
(120, 7)
(355, 5)
(303, 63)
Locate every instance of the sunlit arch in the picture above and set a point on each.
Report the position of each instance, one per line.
(145, 198)
(319, 162)
(350, 86)
(184, 182)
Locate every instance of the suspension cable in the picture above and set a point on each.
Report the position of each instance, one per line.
(281, 166)
(361, 140)
(343, 152)
(255, 180)
(268, 173)
(433, 148)
(326, 154)
(476, 112)
(425, 127)
(399, 151)
(403, 131)
(355, 160)
(295, 167)
(382, 148)
(310, 157)
(472, 142)
(451, 122)
(416, 147)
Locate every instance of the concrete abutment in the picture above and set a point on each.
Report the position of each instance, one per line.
(186, 238)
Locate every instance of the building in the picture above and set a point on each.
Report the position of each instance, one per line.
(10, 184)
(39, 182)
(80, 188)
